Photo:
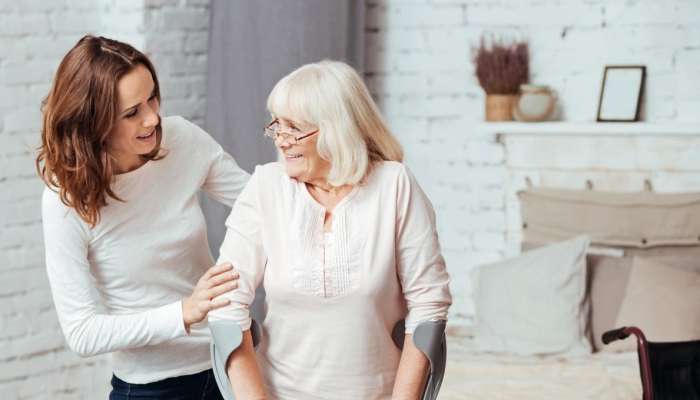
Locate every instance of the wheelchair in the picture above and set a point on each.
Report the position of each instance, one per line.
(669, 370)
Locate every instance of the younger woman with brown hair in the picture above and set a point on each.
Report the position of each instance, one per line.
(126, 246)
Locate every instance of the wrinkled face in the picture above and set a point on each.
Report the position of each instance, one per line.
(134, 132)
(301, 159)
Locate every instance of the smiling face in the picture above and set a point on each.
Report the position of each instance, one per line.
(301, 161)
(134, 132)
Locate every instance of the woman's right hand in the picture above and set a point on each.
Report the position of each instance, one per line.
(218, 280)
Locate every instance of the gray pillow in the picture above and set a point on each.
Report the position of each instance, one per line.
(535, 303)
(662, 301)
(607, 279)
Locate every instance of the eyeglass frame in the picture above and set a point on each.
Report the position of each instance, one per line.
(285, 137)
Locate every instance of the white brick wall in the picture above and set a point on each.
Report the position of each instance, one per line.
(34, 360)
(419, 69)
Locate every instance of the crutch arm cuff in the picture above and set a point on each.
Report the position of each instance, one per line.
(227, 336)
(429, 338)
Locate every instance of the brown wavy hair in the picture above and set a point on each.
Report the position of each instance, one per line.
(79, 114)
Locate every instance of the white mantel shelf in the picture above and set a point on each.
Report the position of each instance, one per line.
(589, 129)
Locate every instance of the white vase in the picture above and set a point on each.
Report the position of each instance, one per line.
(535, 103)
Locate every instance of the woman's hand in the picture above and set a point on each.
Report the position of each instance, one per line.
(218, 280)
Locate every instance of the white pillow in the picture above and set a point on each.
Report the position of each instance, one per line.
(535, 303)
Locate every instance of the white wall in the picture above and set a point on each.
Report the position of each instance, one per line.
(419, 69)
(34, 35)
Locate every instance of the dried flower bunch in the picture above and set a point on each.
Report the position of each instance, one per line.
(501, 68)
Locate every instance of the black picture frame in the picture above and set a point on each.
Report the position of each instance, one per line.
(621, 93)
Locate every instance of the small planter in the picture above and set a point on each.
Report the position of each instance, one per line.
(500, 69)
(499, 107)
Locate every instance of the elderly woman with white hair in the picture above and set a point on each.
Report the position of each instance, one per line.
(343, 240)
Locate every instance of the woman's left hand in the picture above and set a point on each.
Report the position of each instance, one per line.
(218, 280)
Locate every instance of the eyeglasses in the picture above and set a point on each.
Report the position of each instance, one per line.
(274, 131)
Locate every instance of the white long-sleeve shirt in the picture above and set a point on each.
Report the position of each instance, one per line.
(333, 299)
(143, 257)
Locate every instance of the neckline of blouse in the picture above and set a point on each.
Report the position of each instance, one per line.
(320, 206)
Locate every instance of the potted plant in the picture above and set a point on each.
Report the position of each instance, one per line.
(501, 68)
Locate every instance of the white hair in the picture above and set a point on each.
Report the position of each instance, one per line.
(352, 134)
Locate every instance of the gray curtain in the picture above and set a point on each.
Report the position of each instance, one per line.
(254, 43)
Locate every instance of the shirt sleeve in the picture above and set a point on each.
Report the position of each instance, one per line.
(421, 267)
(224, 179)
(88, 331)
(242, 247)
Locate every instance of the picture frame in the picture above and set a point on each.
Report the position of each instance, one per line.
(621, 93)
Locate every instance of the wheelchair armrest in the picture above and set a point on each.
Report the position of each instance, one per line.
(227, 337)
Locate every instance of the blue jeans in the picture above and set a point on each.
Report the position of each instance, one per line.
(199, 386)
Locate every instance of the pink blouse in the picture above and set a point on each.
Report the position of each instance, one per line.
(332, 300)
